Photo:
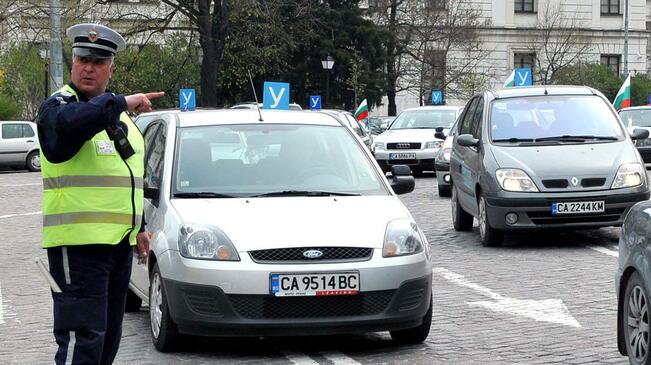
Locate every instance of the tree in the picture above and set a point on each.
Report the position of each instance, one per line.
(595, 75)
(559, 41)
(24, 79)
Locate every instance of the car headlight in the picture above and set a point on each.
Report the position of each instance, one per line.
(444, 155)
(433, 144)
(378, 146)
(401, 238)
(629, 175)
(515, 180)
(206, 243)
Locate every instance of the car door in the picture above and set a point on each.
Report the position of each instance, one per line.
(13, 143)
(458, 169)
(155, 138)
(473, 159)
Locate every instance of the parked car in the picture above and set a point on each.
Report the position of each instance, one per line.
(19, 147)
(347, 118)
(251, 105)
(256, 231)
(632, 285)
(410, 140)
(442, 162)
(543, 157)
(379, 124)
(639, 117)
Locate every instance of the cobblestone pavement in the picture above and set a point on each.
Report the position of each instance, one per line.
(491, 305)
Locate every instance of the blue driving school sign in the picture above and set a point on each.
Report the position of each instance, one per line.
(315, 102)
(522, 77)
(187, 99)
(437, 97)
(276, 95)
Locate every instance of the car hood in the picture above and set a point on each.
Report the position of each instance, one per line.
(408, 135)
(279, 222)
(545, 161)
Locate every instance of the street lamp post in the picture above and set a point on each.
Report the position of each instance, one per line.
(328, 64)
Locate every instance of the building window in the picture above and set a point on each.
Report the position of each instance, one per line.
(435, 4)
(524, 60)
(610, 7)
(612, 61)
(525, 6)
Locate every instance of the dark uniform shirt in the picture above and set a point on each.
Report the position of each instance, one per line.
(64, 124)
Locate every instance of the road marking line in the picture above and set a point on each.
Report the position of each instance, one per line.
(2, 321)
(298, 358)
(547, 310)
(338, 358)
(604, 250)
(17, 185)
(18, 215)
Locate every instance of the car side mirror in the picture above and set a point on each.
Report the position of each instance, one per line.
(439, 135)
(402, 182)
(639, 133)
(467, 140)
(439, 129)
(151, 193)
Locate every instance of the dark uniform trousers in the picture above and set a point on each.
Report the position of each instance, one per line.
(88, 314)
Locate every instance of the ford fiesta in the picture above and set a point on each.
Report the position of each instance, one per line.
(284, 226)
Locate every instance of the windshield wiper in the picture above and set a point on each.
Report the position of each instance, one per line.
(304, 193)
(514, 140)
(202, 194)
(575, 138)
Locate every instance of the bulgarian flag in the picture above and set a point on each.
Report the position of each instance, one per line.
(362, 111)
(623, 98)
(510, 81)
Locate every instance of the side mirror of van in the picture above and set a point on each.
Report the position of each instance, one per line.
(467, 140)
(639, 133)
(402, 182)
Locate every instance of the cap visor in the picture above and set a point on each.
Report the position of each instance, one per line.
(91, 52)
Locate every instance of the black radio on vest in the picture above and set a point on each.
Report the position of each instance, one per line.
(119, 138)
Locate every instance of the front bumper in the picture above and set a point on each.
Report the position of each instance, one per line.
(208, 311)
(443, 177)
(534, 209)
(424, 159)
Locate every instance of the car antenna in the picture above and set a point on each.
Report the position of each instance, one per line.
(255, 96)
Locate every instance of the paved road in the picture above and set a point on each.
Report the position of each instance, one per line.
(540, 299)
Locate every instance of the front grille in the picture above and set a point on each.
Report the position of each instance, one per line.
(546, 217)
(593, 182)
(270, 307)
(403, 146)
(202, 303)
(336, 254)
(403, 162)
(555, 183)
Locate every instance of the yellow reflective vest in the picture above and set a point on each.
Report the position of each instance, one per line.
(95, 197)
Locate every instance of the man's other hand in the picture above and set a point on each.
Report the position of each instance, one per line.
(142, 246)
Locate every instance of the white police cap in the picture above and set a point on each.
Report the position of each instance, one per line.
(94, 40)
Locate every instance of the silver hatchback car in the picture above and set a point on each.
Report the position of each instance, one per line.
(285, 226)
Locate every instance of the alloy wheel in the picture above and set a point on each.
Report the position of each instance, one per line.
(638, 325)
(36, 161)
(482, 218)
(155, 304)
(453, 203)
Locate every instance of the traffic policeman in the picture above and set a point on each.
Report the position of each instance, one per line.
(92, 168)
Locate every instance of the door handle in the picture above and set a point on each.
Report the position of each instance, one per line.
(30, 141)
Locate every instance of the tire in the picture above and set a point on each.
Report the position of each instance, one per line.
(133, 302)
(635, 321)
(164, 332)
(444, 191)
(33, 161)
(490, 237)
(415, 335)
(461, 220)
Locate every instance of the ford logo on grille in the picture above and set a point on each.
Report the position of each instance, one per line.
(312, 254)
(404, 146)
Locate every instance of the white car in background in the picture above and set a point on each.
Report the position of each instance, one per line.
(410, 139)
(19, 147)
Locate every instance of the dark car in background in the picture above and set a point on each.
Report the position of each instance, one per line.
(543, 157)
(639, 117)
(442, 163)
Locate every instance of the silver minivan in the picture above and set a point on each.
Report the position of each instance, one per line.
(19, 146)
(543, 157)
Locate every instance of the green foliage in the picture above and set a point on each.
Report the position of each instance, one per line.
(594, 75)
(23, 82)
(8, 109)
(152, 68)
(640, 89)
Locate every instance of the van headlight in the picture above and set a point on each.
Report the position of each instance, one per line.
(402, 237)
(206, 243)
(433, 144)
(629, 175)
(515, 180)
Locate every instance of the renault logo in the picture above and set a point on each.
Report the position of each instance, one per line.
(312, 254)
(404, 146)
(574, 181)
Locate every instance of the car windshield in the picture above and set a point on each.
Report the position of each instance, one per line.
(272, 160)
(636, 117)
(424, 119)
(563, 118)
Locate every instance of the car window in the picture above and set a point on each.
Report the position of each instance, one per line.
(424, 119)
(636, 117)
(154, 154)
(12, 130)
(475, 128)
(355, 125)
(247, 160)
(553, 116)
(143, 121)
(28, 131)
(466, 122)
